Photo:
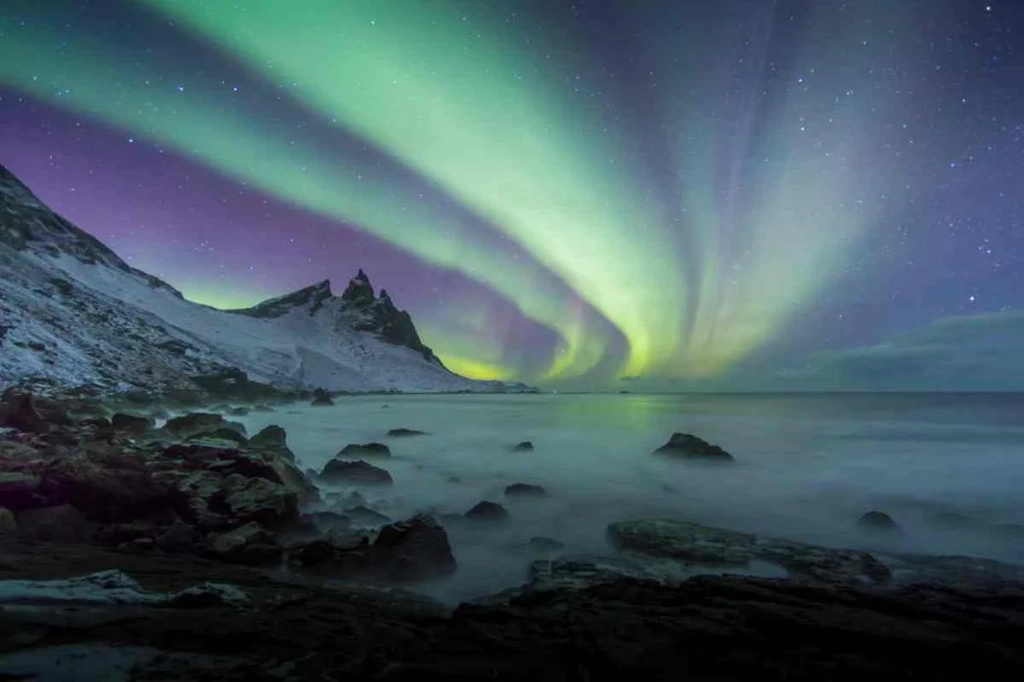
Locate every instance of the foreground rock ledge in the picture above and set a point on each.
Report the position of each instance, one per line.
(708, 627)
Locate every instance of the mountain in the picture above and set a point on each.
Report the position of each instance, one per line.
(73, 312)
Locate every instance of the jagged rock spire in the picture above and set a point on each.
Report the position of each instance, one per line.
(359, 289)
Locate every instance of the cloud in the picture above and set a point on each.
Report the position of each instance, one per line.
(965, 353)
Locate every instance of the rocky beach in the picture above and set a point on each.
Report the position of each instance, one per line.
(142, 543)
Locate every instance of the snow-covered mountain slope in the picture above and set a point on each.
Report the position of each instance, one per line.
(71, 310)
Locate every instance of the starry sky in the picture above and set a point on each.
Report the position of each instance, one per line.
(628, 194)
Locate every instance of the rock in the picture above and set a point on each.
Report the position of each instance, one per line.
(8, 524)
(321, 398)
(249, 544)
(221, 434)
(685, 445)
(525, 490)
(695, 545)
(365, 450)
(272, 437)
(116, 534)
(358, 471)
(18, 410)
(454, 479)
(416, 549)
(179, 538)
(396, 433)
(131, 423)
(262, 408)
(876, 521)
(20, 490)
(364, 516)
(260, 500)
(62, 523)
(238, 411)
(488, 511)
(523, 447)
(208, 595)
(545, 545)
(109, 486)
(193, 422)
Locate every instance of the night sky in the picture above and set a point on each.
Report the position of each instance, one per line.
(645, 194)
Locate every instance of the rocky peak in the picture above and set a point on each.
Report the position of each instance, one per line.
(312, 297)
(359, 290)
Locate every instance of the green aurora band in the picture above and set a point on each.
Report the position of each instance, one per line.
(455, 96)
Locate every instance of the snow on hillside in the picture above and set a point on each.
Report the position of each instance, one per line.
(71, 310)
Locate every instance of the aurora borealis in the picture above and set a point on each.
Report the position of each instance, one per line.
(577, 194)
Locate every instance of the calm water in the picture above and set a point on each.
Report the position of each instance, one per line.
(807, 467)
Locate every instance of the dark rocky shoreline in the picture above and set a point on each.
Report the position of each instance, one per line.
(316, 578)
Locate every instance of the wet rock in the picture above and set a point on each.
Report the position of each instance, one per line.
(8, 524)
(238, 411)
(115, 534)
(131, 423)
(397, 433)
(179, 538)
(364, 516)
(222, 435)
(416, 549)
(696, 545)
(19, 410)
(321, 398)
(952, 521)
(876, 521)
(545, 545)
(488, 511)
(249, 544)
(523, 447)
(272, 437)
(262, 408)
(365, 450)
(20, 490)
(62, 523)
(688, 446)
(108, 485)
(260, 500)
(358, 471)
(525, 490)
(193, 422)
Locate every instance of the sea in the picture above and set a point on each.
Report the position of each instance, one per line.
(949, 468)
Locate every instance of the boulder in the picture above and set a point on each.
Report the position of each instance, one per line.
(364, 516)
(249, 544)
(365, 450)
(415, 549)
(131, 423)
(238, 411)
(398, 433)
(8, 524)
(321, 398)
(18, 410)
(260, 500)
(358, 471)
(193, 422)
(221, 435)
(545, 545)
(179, 538)
(488, 511)
(878, 522)
(20, 490)
(523, 447)
(525, 490)
(272, 437)
(62, 523)
(108, 486)
(692, 544)
(688, 446)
